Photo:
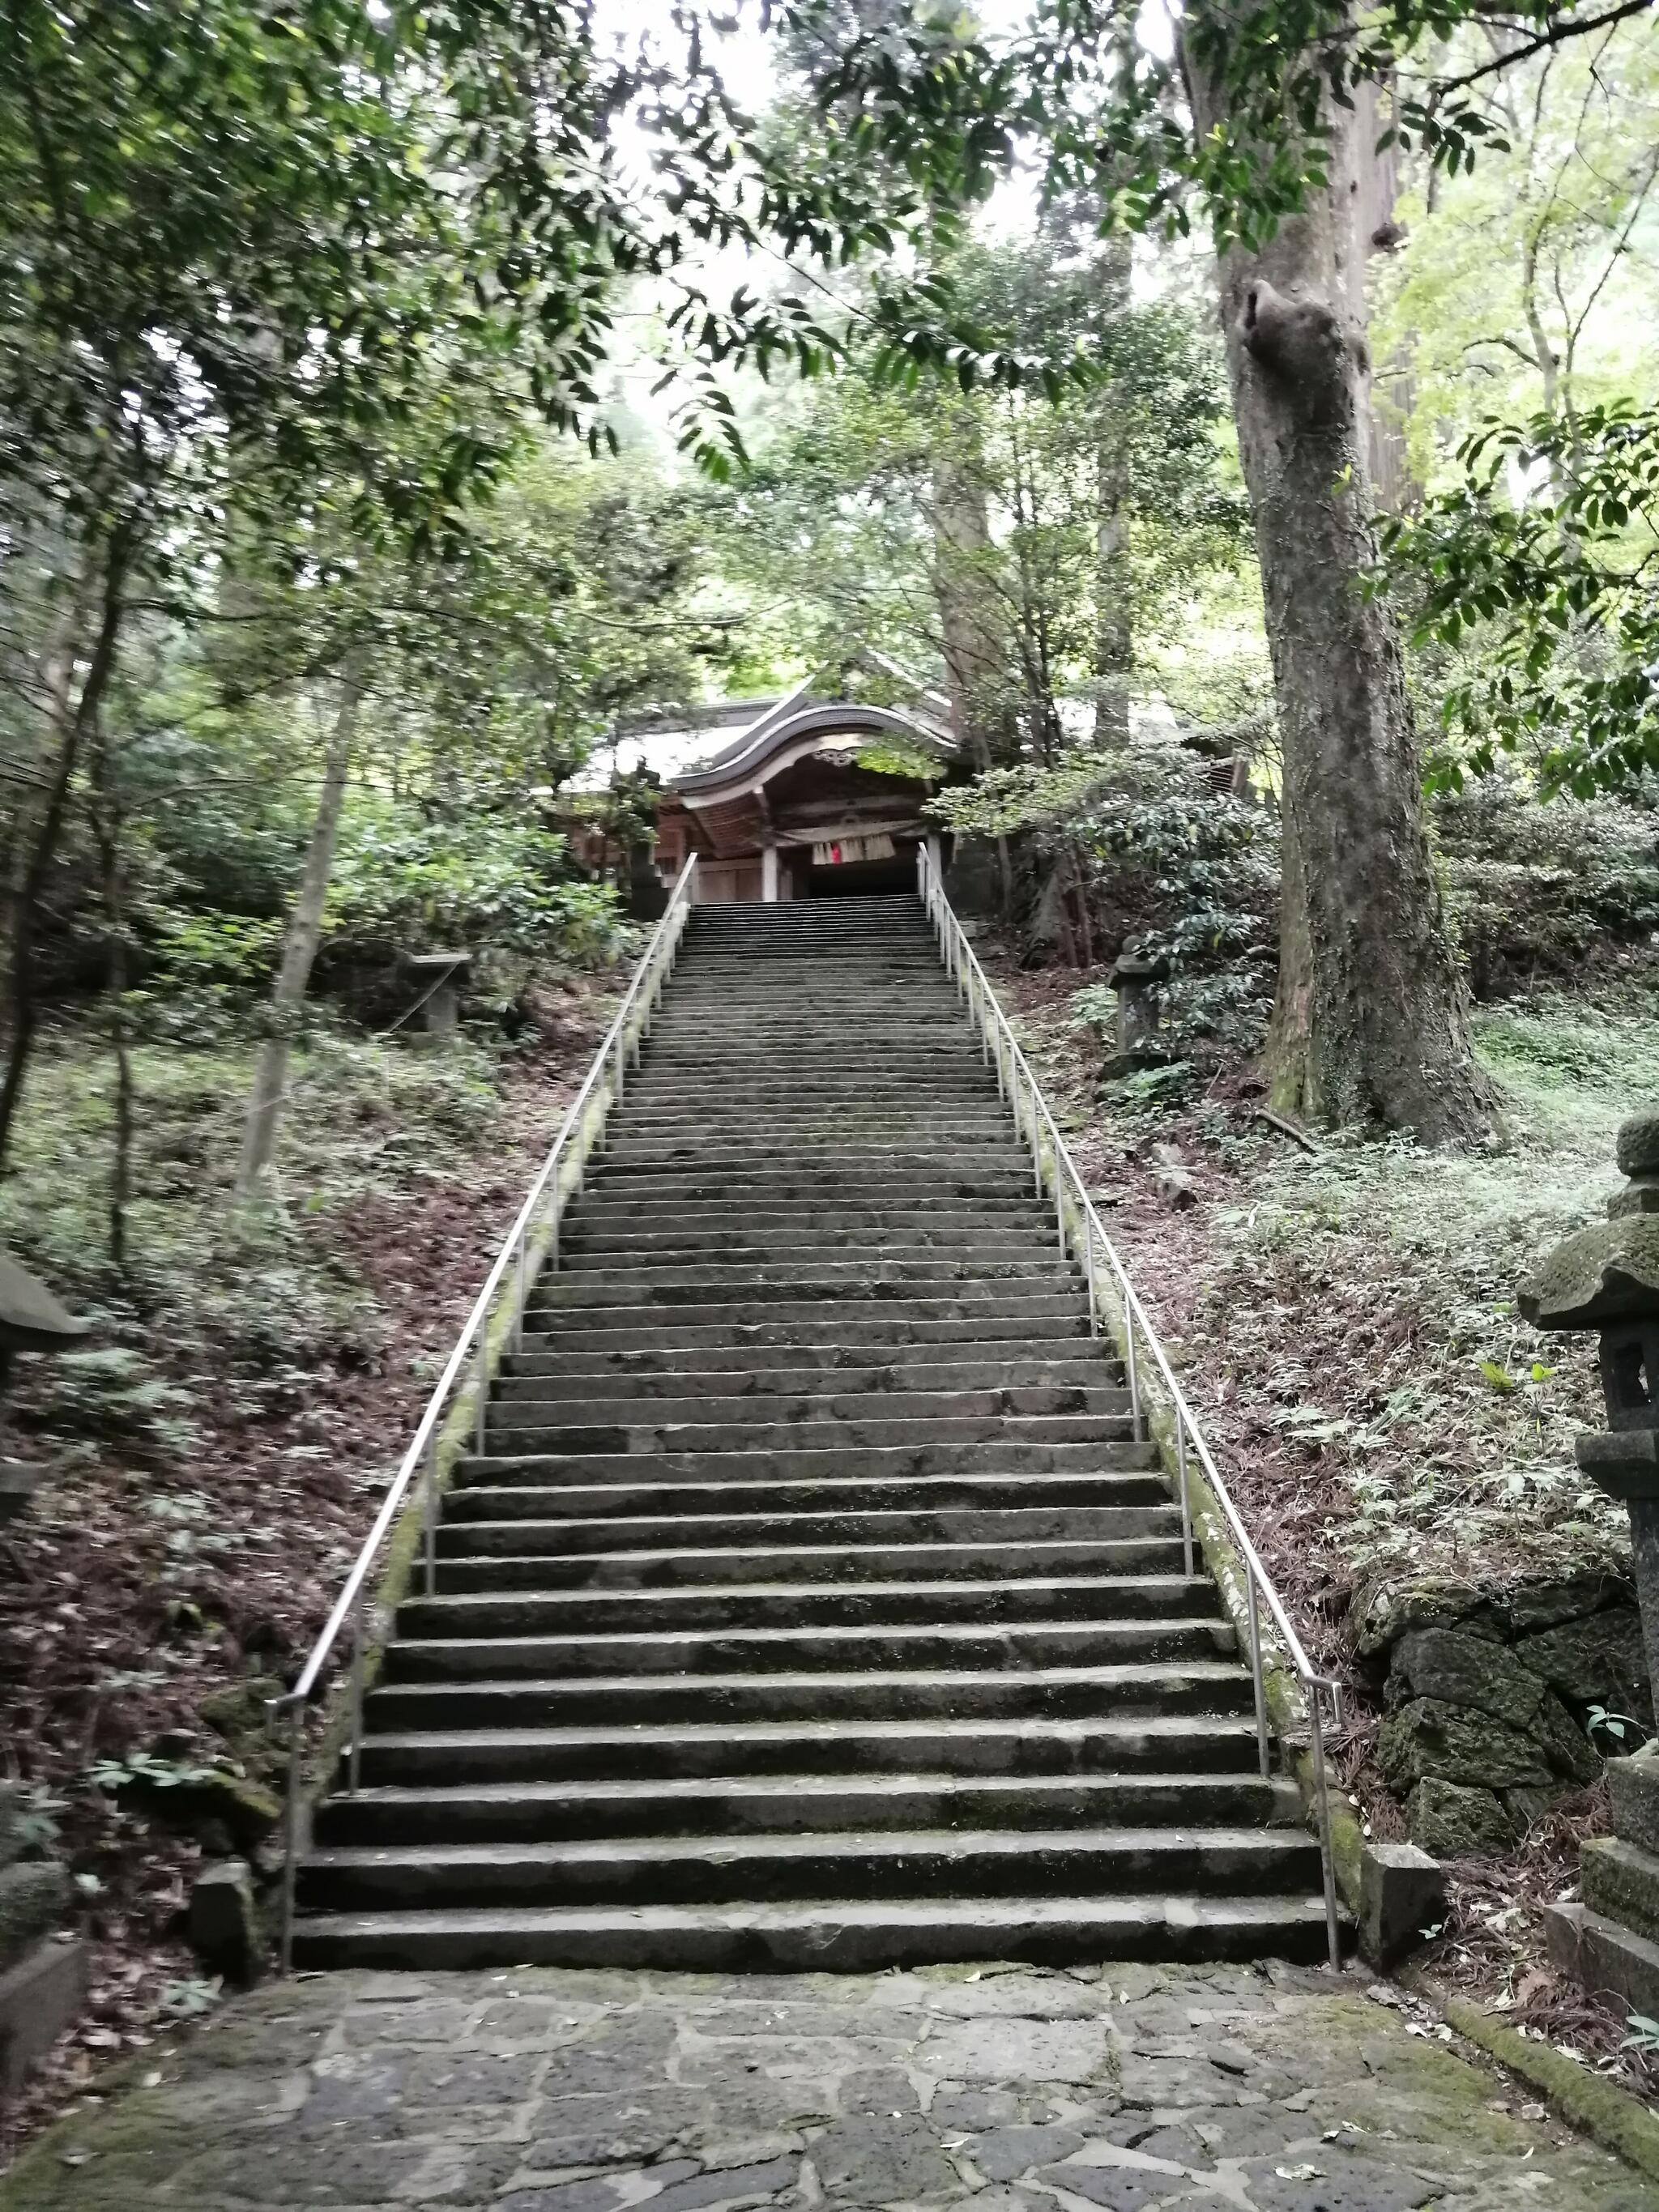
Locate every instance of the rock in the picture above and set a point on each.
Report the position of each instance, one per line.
(239, 1714)
(1639, 1195)
(1637, 1152)
(1530, 1606)
(39, 1996)
(1402, 1890)
(1633, 1786)
(1569, 1750)
(1527, 1807)
(1620, 1880)
(34, 1895)
(216, 1804)
(1455, 1822)
(1609, 1272)
(224, 1922)
(1428, 1739)
(1392, 1609)
(1462, 1670)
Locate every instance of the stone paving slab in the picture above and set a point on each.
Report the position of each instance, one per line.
(1111, 2089)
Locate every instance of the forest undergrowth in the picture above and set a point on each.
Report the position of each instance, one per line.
(221, 1443)
(1345, 1318)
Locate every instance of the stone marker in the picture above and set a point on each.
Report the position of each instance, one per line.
(1402, 1890)
(1136, 979)
(1607, 1278)
(224, 1926)
(31, 1319)
(443, 974)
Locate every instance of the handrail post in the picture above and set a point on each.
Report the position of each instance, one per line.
(1089, 1269)
(431, 1531)
(1258, 1685)
(1321, 1797)
(1137, 1428)
(291, 1836)
(1185, 1506)
(359, 1656)
(480, 1381)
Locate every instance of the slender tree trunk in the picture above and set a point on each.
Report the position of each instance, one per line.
(70, 715)
(304, 932)
(1113, 614)
(105, 818)
(1370, 1023)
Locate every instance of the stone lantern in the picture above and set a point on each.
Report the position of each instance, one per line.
(1607, 1278)
(1136, 979)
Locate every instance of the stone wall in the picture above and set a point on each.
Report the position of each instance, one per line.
(1489, 1696)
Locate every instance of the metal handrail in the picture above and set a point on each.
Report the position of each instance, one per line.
(621, 1045)
(1033, 1120)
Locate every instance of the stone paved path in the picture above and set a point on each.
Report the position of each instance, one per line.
(1010, 2090)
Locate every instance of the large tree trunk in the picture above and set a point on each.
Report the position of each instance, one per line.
(974, 619)
(304, 929)
(1370, 1023)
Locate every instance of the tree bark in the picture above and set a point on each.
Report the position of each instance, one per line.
(1370, 1024)
(299, 941)
(973, 619)
(1114, 612)
(70, 715)
(105, 815)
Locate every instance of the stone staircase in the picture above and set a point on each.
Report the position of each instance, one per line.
(812, 1604)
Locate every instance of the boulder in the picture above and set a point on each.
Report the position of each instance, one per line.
(1394, 1607)
(1453, 1821)
(1428, 1740)
(1459, 1669)
(1595, 1660)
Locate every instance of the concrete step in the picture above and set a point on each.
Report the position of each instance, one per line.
(479, 1536)
(1043, 1644)
(589, 1252)
(834, 1937)
(726, 1607)
(632, 1492)
(801, 1804)
(893, 1330)
(598, 1214)
(524, 1404)
(841, 1461)
(723, 1369)
(955, 1694)
(876, 1863)
(681, 1564)
(981, 1744)
(1010, 1306)
(975, 1279)
(514, 1431)
(735, 1187)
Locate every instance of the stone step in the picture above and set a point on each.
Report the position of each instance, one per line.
(981, 1744)
(1015, 1306)
(893, 1330)
(955, 1694)
(680, 1565)
(803, 1804)
(520, 1404)
(736, 1189)
(972, 1278)
(699, 1651)
(598, 1214)
(633, 1491)
(834, 1937)
(480, 1536)
(728, 1607)
(721, 1370)
(590, 1251)
(841, 1461)
(874, 1863)
(514, 1431)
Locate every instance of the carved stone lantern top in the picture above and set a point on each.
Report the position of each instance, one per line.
(1607, 1278)
(1605, 1273)
(1134, 968)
